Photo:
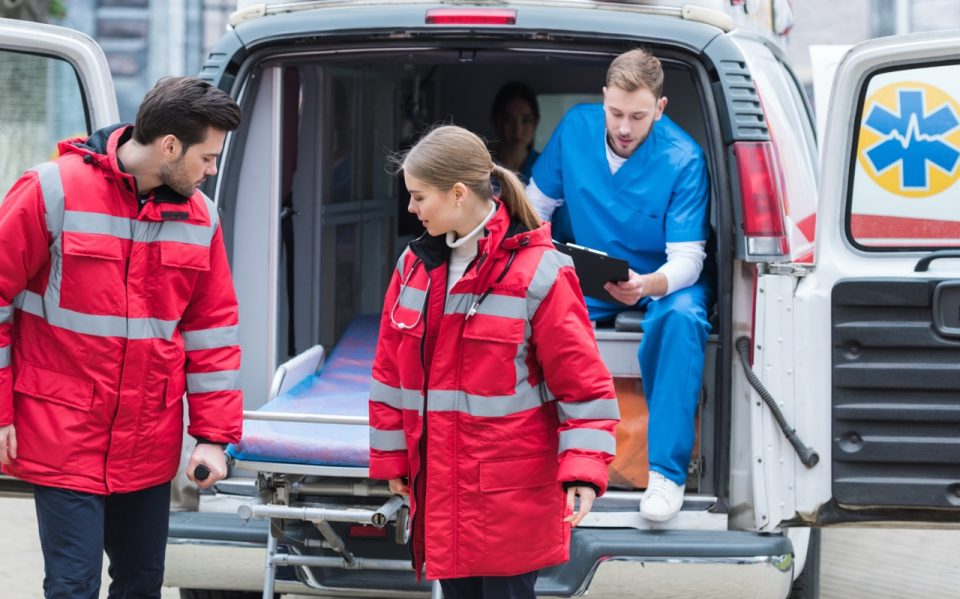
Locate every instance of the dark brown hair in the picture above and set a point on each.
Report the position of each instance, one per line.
(184, 107)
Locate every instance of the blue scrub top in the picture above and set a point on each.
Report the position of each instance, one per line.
(660, 194)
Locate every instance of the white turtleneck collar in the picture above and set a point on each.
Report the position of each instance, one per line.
(465, 249)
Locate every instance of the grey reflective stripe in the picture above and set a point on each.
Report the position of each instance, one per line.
(4, 356)
(587, 439)
(543, 279)
(75, 221)
(51, 185)
(412, 298)
(211, 338)
(485, 406)
(385, 394)
(212, 212)
(387, 440)
(412, 399)
(208, 382)
(494, 305)
(6, 314)
(595, 409)
(48, 309)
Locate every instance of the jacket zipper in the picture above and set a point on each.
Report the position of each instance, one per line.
(422, 444)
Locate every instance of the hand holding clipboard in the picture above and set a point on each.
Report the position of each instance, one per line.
(594, 269)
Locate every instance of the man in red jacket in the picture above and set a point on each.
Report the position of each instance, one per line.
(116, 299)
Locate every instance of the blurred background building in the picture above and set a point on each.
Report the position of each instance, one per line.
(146, 39)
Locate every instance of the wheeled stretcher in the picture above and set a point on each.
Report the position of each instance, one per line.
(309, 448)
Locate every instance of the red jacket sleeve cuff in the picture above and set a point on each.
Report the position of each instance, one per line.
(584, 469)
(386, 467)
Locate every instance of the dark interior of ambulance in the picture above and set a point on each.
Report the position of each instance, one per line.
(344, 220)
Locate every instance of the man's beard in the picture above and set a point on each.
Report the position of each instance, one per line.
(172, 176)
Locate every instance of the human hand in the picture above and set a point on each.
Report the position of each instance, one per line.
(630, 291)
(399, 486)
(211, 456)
(8, 444)
(587, 497)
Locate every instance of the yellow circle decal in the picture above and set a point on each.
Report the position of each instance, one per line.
(910, 139)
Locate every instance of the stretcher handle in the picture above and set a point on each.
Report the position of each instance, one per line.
(201, 472)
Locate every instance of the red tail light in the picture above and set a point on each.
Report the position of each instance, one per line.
(760, 198)
(471, 16)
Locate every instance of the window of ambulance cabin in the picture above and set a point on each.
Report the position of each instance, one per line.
(41, 103)
(904, 193)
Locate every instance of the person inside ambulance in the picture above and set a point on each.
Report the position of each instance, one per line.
(515, 114)
(623, 178)
(116, 299)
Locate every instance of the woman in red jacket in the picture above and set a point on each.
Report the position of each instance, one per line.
(490, 406)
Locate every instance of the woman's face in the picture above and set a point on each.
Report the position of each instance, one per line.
(516, 124)
(436, 209)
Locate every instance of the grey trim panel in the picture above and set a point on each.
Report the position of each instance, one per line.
(209, 382)
(211, 338)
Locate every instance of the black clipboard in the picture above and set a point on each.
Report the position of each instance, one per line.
(594, 269)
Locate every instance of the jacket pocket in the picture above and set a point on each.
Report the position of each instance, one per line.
(518, 473)
(492, 347)
(522, 507)
(54, 387)
(93, 269)
(181, 255)
(174, 282)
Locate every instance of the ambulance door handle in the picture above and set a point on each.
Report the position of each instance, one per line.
(923, 265)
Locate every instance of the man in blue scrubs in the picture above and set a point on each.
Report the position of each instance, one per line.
(623, 178)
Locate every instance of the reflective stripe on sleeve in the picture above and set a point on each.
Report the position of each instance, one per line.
(90, 324)
(4, 356)
(385, 394)
(211, 338)
(6, 314)
(394, 440)
(543, 279)
(209, 382)
(51, 185)
(587, 439)
(595, 409)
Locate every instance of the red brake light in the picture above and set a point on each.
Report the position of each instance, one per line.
(760, 198)
(471, 16)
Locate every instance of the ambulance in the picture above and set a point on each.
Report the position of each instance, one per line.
(830, 391)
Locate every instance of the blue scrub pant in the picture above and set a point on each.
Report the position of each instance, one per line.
(76, 528)
(675, 330)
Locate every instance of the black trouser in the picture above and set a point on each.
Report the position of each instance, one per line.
(76, 528)
(490, 587)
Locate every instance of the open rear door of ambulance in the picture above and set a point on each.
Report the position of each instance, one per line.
(54, 84)
(879, 346)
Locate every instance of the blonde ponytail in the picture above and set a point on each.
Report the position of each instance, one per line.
(514, 196)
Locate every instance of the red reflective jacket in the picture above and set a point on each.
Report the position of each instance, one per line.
(107, 315)
(489, 407)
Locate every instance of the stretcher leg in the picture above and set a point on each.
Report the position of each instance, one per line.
(270, 568)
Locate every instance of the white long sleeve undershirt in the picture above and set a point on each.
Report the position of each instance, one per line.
(684, 258)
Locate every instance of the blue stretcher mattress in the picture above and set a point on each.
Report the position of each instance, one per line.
(342, 387)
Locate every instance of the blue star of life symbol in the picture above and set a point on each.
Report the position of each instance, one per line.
(913, 139)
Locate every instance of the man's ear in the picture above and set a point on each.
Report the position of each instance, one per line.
(170, 147)
(661, 106)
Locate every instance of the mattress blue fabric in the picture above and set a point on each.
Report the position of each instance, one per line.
(340, 387)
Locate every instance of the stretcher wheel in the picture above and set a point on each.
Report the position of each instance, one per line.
(402, 526)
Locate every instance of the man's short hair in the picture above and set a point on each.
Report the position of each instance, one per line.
(184, 107)
(636, 69)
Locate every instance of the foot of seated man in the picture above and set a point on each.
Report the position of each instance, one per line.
(662, 499)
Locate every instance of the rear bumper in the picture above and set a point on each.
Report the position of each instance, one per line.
(220, 551)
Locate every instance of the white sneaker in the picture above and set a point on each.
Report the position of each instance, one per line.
(662, 499)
